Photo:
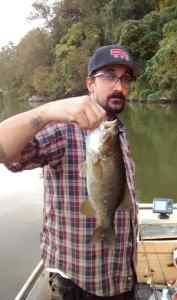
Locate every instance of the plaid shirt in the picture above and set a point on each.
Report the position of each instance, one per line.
(66, 234)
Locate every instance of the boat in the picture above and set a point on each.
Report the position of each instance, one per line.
(157, 259)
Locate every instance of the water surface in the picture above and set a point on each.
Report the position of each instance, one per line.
(152, 132)
(20, 224)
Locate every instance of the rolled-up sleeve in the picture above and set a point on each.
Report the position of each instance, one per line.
(46, 148)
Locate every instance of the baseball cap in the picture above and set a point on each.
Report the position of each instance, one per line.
(109, 55)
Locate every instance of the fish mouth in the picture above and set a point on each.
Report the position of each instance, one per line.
(109, 129)
(110, 124)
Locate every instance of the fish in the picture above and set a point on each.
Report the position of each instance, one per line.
(106, 180)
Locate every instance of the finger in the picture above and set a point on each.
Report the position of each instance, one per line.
(87, 116)
(98, 109)
(96, 114)
(94, 118)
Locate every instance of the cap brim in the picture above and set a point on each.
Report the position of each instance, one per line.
(134, 68)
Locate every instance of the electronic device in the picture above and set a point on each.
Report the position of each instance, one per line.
(163, 206)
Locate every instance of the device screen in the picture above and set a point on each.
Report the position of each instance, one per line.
(160, 205)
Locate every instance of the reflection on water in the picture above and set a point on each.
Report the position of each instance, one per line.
(152, 132)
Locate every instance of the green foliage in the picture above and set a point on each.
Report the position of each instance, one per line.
(166, 3)
(160, 77)
(168, 14)
(31, 53)
(41, 80)
(117, 11)
(143, 44)
(53, 61)
(128, 9)
(72, 69)
(7, 66)
(170, 29)
(74, 37)
(153, 21)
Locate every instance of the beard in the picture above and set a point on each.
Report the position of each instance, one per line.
(115, 104)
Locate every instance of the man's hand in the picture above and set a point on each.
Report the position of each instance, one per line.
(18, 130)
(80, 110)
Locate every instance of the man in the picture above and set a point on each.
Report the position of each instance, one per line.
(80, 269)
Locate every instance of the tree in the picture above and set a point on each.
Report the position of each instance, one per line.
(53, 60)
(41, 10)
(142, 41)
(41, 80)
(160, 76)
(32, 52)
(7, 66)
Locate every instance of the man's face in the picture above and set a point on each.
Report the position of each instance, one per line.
(106, 88)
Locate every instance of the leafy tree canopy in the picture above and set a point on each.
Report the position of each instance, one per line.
(53, 60)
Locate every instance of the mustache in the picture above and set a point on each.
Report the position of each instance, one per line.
(117, 95)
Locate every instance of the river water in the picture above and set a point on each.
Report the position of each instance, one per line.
(20, 223)
(152, 132)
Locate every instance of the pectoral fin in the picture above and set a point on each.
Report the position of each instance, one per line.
(87, 209)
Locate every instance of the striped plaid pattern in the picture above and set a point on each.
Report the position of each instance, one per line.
(66, 234)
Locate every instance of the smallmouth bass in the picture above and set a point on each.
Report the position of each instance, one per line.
(106, 180)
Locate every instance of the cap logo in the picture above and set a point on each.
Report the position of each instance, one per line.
(117, 52)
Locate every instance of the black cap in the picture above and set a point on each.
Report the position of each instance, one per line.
(109, 55)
